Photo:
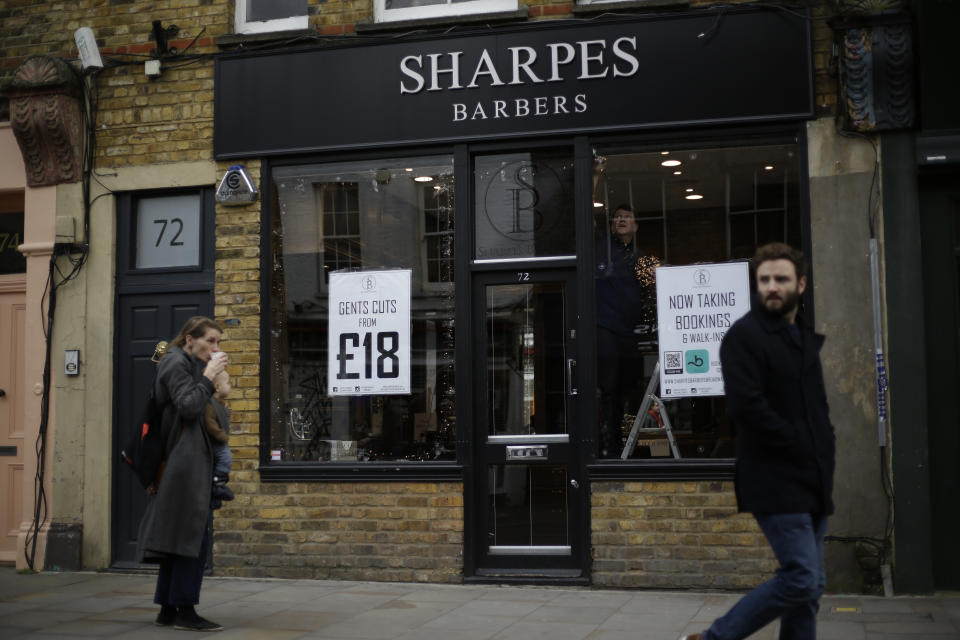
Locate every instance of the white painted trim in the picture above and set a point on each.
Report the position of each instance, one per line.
(442, 9)
(13, 283)
(241, 26)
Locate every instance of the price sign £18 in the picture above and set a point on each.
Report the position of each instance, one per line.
(369, 333)
(387, 361)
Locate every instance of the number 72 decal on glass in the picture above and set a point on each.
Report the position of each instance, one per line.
(369, 333)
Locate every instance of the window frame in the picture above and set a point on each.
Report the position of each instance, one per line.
(666, 469)
(425, 256)
(243, 27)
(323, 279)
(597, 469)
(129, 202)
(441, 10)
(329, 471)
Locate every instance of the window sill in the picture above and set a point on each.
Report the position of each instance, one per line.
(628, 5)
(365, 472)
(519, 15)
(231, 40)
(688, 469)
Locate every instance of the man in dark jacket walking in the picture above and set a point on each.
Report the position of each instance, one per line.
(775, 394)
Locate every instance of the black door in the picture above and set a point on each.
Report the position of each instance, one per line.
(530, 493)
(165, 272)
(142, 321)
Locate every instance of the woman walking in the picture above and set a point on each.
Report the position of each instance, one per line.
(176, 529)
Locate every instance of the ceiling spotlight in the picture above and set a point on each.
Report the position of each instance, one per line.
(693, 196)
(678, 173)
(423, 179)
(664, 153)
(689, 189)
(671, 163)
(409, 169)
(597, 205)
(769, 167)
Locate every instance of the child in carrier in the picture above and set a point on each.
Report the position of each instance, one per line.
(217, 421)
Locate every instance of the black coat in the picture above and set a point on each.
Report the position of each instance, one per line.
(177, 515)
(778, 404)
(620, 297)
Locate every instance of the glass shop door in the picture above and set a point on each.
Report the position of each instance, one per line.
(531, 503)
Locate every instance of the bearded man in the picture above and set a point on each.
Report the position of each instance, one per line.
(773, 381)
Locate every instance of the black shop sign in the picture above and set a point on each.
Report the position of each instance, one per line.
(706, 67)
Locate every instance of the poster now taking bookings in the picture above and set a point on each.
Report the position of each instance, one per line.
(696, 305)
(369, 333)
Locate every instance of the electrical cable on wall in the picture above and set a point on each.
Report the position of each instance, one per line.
(76, 254)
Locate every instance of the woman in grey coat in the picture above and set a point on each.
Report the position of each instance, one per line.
(176, 528)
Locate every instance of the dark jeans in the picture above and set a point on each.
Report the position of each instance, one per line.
(793, 594)
(180, 577)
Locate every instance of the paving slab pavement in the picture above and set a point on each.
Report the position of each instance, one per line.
(58, 606)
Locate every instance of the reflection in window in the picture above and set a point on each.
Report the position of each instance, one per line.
(329, 217)
(528, 507)
(524, 329)
(438, 233)
(340, 210)
(670, 206)
(524, 205)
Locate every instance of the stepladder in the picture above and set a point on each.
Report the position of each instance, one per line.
(638, 430)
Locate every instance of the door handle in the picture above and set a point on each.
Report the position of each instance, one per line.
(571, 390)
(574, 483)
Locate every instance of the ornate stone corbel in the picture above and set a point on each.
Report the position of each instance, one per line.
(45, 117)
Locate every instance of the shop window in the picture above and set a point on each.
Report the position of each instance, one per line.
(264, 16)
(674, 207)
(348, 218)
(393, 10)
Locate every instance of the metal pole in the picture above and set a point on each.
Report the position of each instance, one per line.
(878, 347)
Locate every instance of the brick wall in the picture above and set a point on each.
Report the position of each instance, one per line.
(408, 532)
(675, 535)
(139, 120)
(237, 295)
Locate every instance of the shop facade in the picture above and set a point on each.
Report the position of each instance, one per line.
(493, 167)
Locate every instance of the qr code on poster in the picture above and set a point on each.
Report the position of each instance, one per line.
(673, 362)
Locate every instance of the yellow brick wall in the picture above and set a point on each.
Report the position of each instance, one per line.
(237, 305)
(394, 531)
(675, 535)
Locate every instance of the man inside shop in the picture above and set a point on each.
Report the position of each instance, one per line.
(621, 301)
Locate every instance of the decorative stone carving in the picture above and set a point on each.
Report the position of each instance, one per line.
(876, 74)
(46, 120)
